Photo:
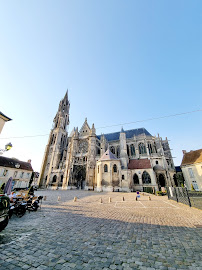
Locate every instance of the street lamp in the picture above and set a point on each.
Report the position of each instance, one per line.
(8, 146)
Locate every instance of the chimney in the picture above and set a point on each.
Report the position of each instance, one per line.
(184, 152)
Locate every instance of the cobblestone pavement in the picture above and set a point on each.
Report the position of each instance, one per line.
(90, 234)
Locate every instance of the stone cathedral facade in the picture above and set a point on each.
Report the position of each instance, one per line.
(127, 160)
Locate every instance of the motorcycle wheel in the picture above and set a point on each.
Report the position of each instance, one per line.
(3, 224)
(21, 211)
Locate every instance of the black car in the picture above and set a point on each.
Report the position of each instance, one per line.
(4, 211)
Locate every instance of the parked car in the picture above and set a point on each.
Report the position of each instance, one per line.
(4, 211)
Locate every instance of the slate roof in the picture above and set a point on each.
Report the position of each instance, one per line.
(192, 157)
(4, 116)
(178, 169)
(11, 162)
(139, 164)
(129, 134)
(108, 156)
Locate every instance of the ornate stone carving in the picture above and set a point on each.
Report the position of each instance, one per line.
(83, 146)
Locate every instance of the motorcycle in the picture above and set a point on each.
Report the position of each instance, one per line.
(33, 205)
(18, 208)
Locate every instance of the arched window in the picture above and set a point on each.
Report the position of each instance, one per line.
(98, 168)
(132, 149)
(150, 148)
(135, 179)
(105, 168)
(142, 148)
(118, 151)
(97, 151)
(112, 149)
(114, 168)
(146, 179)
(52, 139)
(128, 152)
(61, 179)
(54, 178)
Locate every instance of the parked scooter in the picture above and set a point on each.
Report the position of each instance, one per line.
(18, 208)
(33, 205)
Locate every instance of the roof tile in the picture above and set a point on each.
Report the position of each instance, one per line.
(139, 164)
(192, 157)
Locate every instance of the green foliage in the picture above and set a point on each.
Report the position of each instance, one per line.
(180, 179)
(159, 193)
(148, 190)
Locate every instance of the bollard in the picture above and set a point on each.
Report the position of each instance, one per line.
(59, 198)
(44, 198)
(123, 199)
(75, 199)
(149, 198)
(110, 200)
(136, 198)
(100, 200)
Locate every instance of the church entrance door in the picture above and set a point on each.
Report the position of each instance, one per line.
(79, 175)
(162, 181)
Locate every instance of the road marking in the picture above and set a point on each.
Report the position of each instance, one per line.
(171, 204)
(142, 205)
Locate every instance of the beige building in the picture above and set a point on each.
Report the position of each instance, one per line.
(123, 161)
(3, 119)
(20, 171)
(192, 169)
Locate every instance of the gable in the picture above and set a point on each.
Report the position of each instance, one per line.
(85, 129)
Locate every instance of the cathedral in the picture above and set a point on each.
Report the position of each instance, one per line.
(127, 160)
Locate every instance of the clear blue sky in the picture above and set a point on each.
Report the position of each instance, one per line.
(122, 61)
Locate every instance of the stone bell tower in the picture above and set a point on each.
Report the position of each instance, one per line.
(51, 169)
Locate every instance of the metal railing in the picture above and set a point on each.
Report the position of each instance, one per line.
(182, 195)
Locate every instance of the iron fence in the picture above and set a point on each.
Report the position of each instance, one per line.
(180, 194)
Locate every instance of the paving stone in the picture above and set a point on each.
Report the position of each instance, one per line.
(89, 235)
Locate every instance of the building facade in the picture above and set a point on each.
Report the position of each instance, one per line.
(3, 119)
(125, 161)
(20, 171)
(192, 169)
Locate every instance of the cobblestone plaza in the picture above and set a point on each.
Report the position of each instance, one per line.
(94, 233)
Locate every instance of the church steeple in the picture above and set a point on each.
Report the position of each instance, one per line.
(58, 140)
(61, 119)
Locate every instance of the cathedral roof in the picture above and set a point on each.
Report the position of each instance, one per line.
(108, 156)
(129, 134)
(139, 164)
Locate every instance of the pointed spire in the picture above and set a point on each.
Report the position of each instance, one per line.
(65, 99)
(122, 129)
(76, 132)
(93, 129)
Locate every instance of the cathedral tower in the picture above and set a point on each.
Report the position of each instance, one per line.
(53, 163)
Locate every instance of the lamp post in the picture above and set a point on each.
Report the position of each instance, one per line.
(8, 146)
